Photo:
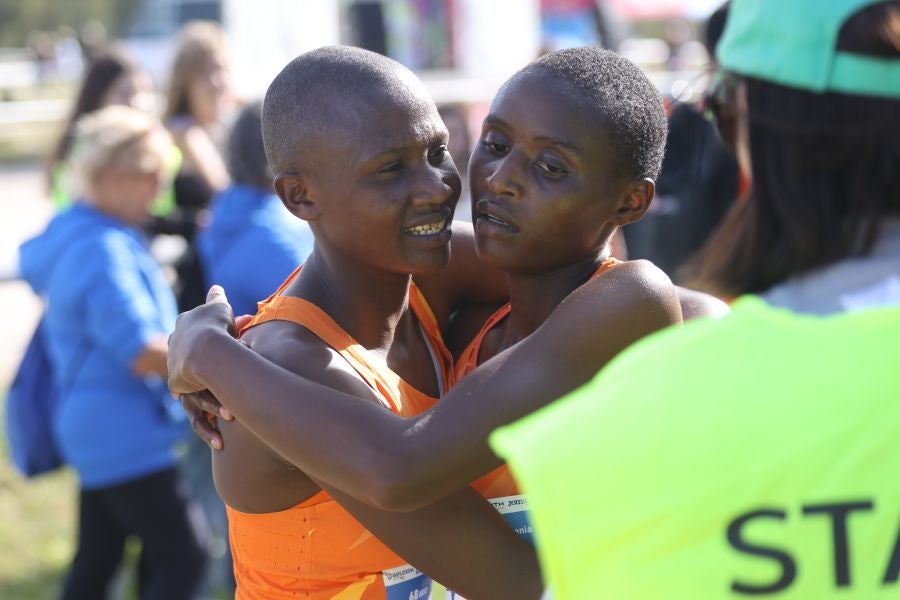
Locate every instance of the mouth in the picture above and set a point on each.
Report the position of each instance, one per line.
(493, 217)
(427, 229)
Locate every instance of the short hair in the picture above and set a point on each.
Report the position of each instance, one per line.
(621, 96)
(245, 155)
(119, 136)
(303, 99)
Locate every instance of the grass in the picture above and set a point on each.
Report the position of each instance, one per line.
(37, 534)
(37, 530)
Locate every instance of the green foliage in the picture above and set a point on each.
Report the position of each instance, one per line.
(19, 18)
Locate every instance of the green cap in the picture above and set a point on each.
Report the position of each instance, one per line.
(794, 43)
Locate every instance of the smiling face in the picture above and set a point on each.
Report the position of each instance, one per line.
(381, 182)
(546, 185)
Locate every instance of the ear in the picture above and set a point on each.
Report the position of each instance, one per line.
(294, 194)
(635, 202)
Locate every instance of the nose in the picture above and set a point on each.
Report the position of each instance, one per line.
(503, 178)
(435, 186)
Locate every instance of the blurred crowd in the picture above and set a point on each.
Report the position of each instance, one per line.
(121, 174)
(132, 178)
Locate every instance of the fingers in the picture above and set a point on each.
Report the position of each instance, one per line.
(241, 321)
(210, 404)
(202, 410)
(215, 294)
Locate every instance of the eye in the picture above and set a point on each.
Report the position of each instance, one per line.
(438, 155)
(495, 143)
(552, 169)
(391, 167)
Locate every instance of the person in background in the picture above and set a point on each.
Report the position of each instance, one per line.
(111, 78)
(198, 100)
(821, 230)
(109, 310)
(755, 455)
(698, 184)
(252, 243)
(197, 104)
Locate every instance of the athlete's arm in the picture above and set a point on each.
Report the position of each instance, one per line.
(401, 464)
(451, 540)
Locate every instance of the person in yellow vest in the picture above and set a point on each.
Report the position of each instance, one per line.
(755, 456)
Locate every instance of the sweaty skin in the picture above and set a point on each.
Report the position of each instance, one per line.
(559, 210)
(389, 168)
(553, 232)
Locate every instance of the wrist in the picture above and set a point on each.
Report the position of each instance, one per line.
(206, 355)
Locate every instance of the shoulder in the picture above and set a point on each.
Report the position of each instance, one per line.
(103, 251)
(636, 286)
(607, 314)
(696, 304)
(295, 348)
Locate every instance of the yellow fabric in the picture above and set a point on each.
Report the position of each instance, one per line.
(724, 456)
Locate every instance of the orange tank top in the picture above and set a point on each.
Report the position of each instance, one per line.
(317, 550)
(499, 486)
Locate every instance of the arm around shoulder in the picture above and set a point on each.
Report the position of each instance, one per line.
(446, 447)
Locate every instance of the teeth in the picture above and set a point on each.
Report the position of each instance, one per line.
(495, 220)
(429, 229)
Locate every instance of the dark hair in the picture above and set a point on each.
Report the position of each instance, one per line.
(620, 95)
(100, 75)
(715, 27)
(305, 98)
(246, 157)
(824, 177)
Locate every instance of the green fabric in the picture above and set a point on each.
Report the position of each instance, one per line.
(165, 203)
(635, 479)
(59, 187)
(794, 43)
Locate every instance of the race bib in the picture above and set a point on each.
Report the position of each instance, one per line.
(406, 583)
(514, 510)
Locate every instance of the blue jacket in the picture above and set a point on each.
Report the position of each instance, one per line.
(106, 299)
(251, 246)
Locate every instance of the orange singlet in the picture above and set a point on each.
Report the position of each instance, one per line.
(499, 486)
(317, 550)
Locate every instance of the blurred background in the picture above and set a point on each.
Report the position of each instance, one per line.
(462, 49)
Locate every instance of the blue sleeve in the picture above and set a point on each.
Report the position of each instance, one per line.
(255, 267)
(121, 312)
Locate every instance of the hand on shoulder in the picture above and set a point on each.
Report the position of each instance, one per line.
(196, 334)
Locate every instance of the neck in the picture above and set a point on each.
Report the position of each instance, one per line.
(533, 297)
(366, 303)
